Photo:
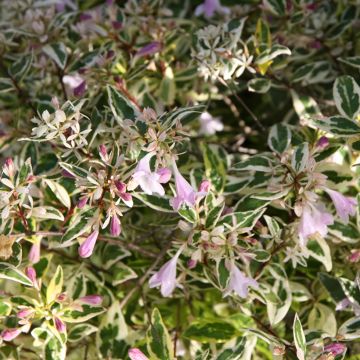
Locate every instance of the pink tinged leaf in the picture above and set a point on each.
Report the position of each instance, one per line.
(136, 354)
(115, 226)
(91, 299)
(149, 49)
(354, 257)
(121, 187)
(87, 247)
(31, 274)
(24, 313)
(60, 326)
(34, 254)
(82, 202)
(66, 174)
(165, 175)
(335, 348)
(10, 334)
(345, 206)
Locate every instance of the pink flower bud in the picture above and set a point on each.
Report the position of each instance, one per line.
(31, 274)
(117, 25)
(91, 299)
(103, 151)
(87, 247)
(80, 89)
(85, 17)
(126, 196)
(115, 226)
(61, 297)
(136, 354)
(66, 174)
(34, 254)
(10, 334)
(205, 186)
(191, 263)
(82, 202)
(60, 326)
(354, 257)
(165, 175)
(323, 142)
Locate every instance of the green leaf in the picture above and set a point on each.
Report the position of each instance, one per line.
(77, 316)
(210, 331)
(167, 89)
(155, 202)
(259, 85)
(121, 273)
(47, 212)
(215, 165)
(112, 333)
(58, 53)
(59, 191)
(10, 272)
(80, 331)
(270, 54)
(300, 157)
(319, 250)
(213, 216)
(346, 94)
(299, 338)
(79, 225)
(235, 352)
(353, 61)
(338, 125)
(257, 163)
(350, 329)
(158, 339)
(20, 68)
(188, 213)
(333, 286)
(277, 7)
(279, 138)
(6, 85)
(55, 286)
(121, 107)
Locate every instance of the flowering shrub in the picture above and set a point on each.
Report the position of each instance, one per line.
(179, 179)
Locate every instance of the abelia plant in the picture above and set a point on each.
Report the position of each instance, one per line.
(179, 180)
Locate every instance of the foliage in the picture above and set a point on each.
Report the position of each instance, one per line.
(179, 179)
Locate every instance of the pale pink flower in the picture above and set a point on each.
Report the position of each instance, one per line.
(314, 220)
(209, 125)
(166, 276)
(165, 175)
(34, 254)
(185, 193)
(87, 247)
(239, 283)
(210, 7)
(143, 176)
(23, 313)
(91, 299)
(204, 186)
(136, 354)
(345, 206)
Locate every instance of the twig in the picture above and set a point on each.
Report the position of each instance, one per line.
(109, 240)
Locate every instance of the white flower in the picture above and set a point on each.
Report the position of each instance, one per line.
(209, 125)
